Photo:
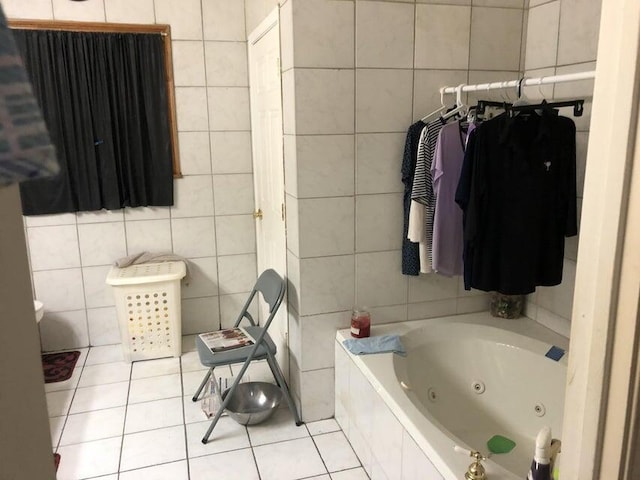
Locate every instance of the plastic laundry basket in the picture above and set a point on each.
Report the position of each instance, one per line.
(148, 308)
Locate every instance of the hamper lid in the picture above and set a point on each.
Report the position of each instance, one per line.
(146, 273)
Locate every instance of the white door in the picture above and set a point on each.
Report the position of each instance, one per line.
(268, 165)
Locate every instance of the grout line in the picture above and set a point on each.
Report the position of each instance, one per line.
(184, 419)
(124, 423)
(318, 450)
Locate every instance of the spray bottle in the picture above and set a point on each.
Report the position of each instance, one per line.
(541, 464)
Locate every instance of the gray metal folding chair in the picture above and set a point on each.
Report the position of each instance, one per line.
(272, 287)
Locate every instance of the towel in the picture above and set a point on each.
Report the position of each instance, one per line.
(379, 344)
(146, 257)
(26, 151)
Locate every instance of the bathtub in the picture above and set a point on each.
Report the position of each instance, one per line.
(465, 379)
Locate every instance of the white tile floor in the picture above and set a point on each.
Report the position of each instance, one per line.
(116, 421)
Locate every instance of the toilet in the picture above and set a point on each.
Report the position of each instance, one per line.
(38, 307)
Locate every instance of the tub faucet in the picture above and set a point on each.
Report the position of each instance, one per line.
(476, 470)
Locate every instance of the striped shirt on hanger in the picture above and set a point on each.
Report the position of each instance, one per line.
(422, 191)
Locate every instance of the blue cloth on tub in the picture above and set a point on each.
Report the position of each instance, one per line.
(379, 344)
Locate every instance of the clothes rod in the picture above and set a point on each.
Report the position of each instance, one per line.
(526, 82)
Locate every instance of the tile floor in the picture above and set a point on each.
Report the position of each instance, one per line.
(117, 421)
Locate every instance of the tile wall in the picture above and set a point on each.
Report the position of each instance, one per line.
(211, 221)
(562, 37)
(356, 74)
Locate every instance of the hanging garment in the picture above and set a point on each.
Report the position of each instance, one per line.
(447, 243)
(522, 202)
(422, 191)
(417, 216)
(410, 250)
(25, 149)
(463, 191)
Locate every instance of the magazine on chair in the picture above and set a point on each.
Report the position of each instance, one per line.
(228, 339)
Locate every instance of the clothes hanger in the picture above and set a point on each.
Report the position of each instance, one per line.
(439, 109)
(544, 106)
(460, 106)
(578, 107)
(522, 99)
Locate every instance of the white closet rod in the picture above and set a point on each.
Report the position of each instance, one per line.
(526, 82)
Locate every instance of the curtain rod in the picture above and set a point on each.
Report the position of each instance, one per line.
(524, 82)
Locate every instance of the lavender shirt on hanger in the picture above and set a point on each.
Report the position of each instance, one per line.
(447, 222)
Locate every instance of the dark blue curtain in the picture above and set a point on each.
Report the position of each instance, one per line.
(104, 99)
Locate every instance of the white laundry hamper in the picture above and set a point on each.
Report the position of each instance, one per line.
(148, 308)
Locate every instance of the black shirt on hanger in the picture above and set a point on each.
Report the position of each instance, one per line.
(521, 202)
(410, 250)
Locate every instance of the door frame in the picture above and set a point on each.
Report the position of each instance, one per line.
(270, 22)
(602, 354)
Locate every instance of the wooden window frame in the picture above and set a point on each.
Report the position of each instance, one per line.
(102, 27)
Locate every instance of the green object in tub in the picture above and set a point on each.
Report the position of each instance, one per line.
(500, 444)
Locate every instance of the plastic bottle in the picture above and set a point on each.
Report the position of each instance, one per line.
(541, 464)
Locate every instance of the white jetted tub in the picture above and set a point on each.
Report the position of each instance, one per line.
(465, 379)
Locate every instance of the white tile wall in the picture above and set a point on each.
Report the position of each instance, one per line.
(495, 38)
(101, 243)
(377, 162)
(91, 11)
(237, 273)
(103, 326)
(64, 330)
(184, 17)
(257, 10)
(324, 101)
(229, 108)
(384, 35)
(378, 221)
(193, 197)
(223, 20)
(195, 156)
(396, 81)
(200, 315)
(579, 23)
(123, 11)
(71, 253)
(236, 234)
(562, 35)
(202, 281)
(384, 99)
(194, 237)
(226, 64)
(323, 34)
(231, 152)
(542, 35)
(188, 63)
(379, 280)
(68, 293)
(442, 36)
(233, 194)
(149, 235)
(96, 292)
(53, 247)
(191, 109)
(326, 226)
(326, 284)
(38, 9)
(317, 394)
(324, 164)
(317, 338)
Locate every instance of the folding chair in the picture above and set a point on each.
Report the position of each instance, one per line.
(272, 286)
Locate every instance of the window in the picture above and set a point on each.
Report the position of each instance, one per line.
(106, 92)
